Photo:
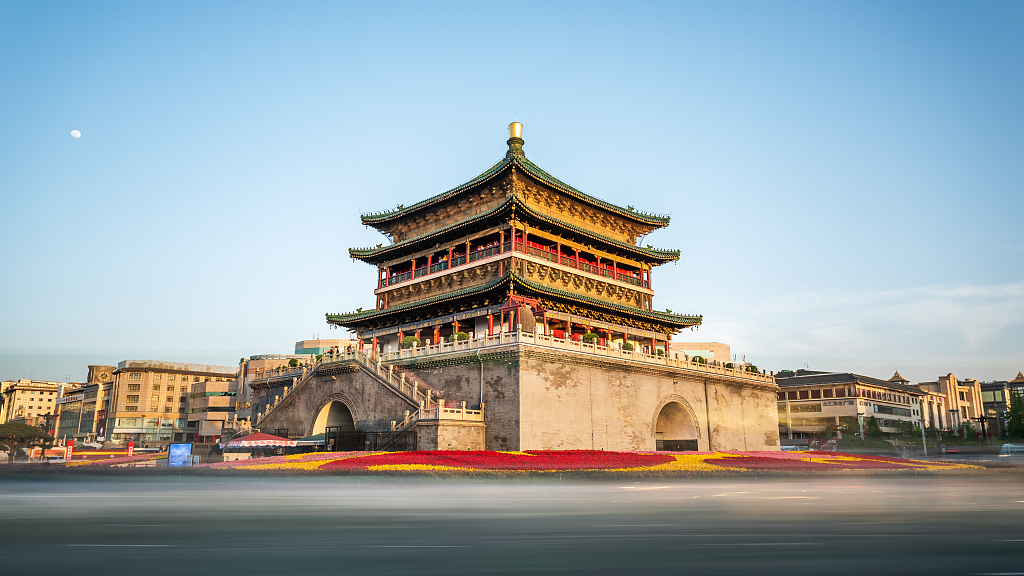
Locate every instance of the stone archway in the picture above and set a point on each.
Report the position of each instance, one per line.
(334, 414)
(336, 423)
(675, 425)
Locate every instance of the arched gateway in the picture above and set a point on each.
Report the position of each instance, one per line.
(336, 423)
(675, 427)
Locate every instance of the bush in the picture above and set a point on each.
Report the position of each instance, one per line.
(293, 362)
(409, 342)
(590, 338)
(698, 359)
(627, 347)
(458, 336)
(753, 368)
(729, 365)
(659, 352)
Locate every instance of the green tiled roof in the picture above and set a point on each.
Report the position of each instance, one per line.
(675, 320)
(381, 252)
(352, 317)
(670, 319)
(533, 170)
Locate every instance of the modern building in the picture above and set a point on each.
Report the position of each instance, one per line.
(961, 399)
(211, 406)
(823, 404)
(149, 399)
(709, 351)
(532, 303)
(31, 401)
(996, 396)
(314, 347)
(83, 411)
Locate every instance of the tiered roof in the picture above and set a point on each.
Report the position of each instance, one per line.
(514, 159)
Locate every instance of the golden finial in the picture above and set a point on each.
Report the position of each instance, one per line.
(515, 130)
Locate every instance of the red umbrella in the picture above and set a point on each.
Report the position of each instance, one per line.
(259, 439)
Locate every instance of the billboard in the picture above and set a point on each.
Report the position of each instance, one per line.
(179, 455)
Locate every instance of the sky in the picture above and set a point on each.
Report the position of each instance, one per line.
(845, 179)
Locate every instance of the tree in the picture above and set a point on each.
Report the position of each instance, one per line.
(872, 430)
(409, 342)
(590, 338)
(1015, 416)
(458, 336)
(17, 436)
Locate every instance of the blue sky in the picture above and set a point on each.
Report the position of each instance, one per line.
(844, 179)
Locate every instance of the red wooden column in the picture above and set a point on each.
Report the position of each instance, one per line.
(437, 334)
(373, 342)
(654, 345)
(615, 271)
(450, 249)
(501, 241)
(387, 274)
(455, 324)
(418, 335)
(467, 251)
(568, 330)
(400, 336)
(525, 250)
(490, 324)
(558, 252)
(577, 251)
(430, 262)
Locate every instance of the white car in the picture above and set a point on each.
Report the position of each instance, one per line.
(55, 460)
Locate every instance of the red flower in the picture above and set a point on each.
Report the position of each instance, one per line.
(488, 460)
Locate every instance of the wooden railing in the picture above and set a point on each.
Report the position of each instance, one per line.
(531, 249)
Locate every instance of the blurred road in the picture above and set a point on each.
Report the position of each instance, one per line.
(345, 525)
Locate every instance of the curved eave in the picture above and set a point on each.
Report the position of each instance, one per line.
(655, 254)
(539, 173)
(378, 218)
(353, 319)
(377, 255)
(671, 320)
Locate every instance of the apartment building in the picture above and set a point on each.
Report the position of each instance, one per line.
(211, 407)
(149, 399)
(31, 401)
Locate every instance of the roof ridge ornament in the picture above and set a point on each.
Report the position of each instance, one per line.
(515, 140)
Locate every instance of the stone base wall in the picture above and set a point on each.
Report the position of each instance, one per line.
(450, 435)
(537, 398)
(576, 401)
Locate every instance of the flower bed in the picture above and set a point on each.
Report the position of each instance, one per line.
(119, 460)
(582, 460)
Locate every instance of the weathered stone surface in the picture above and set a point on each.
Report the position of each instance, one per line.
(450, 435)
(372, 405)
(538, 398)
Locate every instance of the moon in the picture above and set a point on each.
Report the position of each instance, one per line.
(76, 134)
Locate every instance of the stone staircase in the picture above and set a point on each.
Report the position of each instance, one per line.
(419, 399)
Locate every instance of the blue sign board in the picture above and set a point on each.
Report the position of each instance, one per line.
(179, 455)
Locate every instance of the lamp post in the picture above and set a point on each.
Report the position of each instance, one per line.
(981, 420)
